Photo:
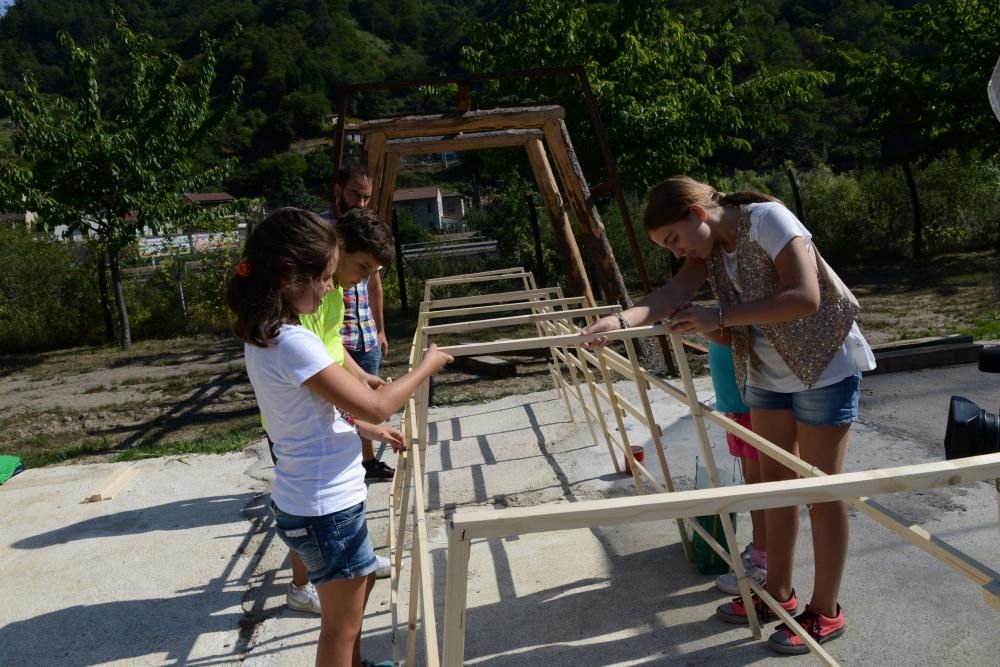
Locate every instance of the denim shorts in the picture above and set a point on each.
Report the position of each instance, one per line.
(832, 405)
(370, 360)
(333, 546)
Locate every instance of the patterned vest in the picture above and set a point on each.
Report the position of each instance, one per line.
(808, 344)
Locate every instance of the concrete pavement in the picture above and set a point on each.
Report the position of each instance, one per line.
(181, 566)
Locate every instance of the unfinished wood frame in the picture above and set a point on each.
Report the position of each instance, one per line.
(681, 506)
(587, 363)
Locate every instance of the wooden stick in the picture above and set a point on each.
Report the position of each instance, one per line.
(619, 420)
(654, 434)
(713, 475)
(426, 581)
(492, 277)
(479, 299)
(375, 150)
(576, 189)
(473, 349)
(463, 142)
(562, 231)
(501, 307)
(744, 498)
(113, 484)
(592, 388)
(456, 596)
(470, 121)
(388, 187)
(477, 325)
(476, 279)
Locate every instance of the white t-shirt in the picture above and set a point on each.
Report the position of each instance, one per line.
(319, 454)
(772, 226)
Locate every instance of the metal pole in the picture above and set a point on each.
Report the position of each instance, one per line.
(536, 234)
(400, 273)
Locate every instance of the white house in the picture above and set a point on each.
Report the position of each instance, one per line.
(434, 209)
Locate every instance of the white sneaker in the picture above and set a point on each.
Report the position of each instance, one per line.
(727, 582)
(303, 599)
(384, 567)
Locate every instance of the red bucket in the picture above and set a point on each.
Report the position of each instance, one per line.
(639, 454)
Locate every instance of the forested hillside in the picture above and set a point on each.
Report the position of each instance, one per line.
(293, 54)
(869, 117)
(709, 86)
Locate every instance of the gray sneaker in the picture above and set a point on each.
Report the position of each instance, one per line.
(727, 582)
(723, 581)
(384, 567)
(303, 599)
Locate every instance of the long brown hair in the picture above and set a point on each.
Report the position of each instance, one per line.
(291, 248)
(671, 200)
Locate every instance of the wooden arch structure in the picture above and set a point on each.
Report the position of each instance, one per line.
(534, 129)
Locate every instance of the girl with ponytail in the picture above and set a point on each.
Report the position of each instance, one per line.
(797, 351)
(315, 411)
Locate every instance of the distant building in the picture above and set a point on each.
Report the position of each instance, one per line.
(18, 219)
(210, 199)
(434, 209)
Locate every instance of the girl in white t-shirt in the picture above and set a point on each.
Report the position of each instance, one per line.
(763, 267)
(310, 404)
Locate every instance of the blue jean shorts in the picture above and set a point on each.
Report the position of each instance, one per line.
(832, 405)
(333, 546)
(370, 360)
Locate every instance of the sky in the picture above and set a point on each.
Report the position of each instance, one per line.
(4, 4)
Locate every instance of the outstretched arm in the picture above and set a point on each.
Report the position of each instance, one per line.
(338, 386)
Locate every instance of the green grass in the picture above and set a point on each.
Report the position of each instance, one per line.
(985, 328)
(47, 454)
(221, 442)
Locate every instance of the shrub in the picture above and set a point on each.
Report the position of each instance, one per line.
(49, 296)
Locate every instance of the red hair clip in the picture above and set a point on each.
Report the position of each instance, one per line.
(243, 268)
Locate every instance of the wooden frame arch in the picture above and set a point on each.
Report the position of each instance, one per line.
(533, 128)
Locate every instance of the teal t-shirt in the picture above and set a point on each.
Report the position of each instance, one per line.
(728, 397)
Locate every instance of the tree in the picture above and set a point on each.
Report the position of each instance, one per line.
(112, 175)
(931, 98)
(665, 83)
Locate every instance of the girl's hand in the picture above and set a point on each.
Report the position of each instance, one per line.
(436, 359)
(382, 433)
(373, 381)
(603, 325)
(695, 319)
(391, 437)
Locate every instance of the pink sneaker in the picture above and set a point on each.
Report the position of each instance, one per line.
(736, 612)
(821, 628)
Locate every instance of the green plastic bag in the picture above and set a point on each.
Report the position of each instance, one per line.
(705, 558)
(9, 466)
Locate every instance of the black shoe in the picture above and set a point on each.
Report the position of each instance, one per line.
(375, 469)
